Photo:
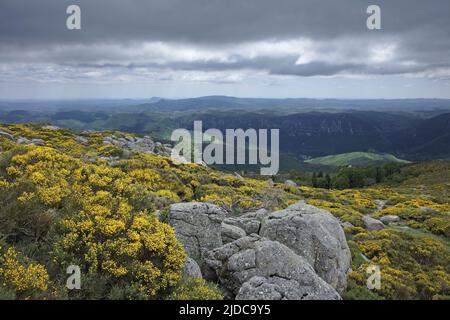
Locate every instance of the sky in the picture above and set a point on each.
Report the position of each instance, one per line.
(245, 48)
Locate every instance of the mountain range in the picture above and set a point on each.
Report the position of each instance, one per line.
(414, 129)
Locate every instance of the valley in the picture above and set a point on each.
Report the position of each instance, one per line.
(412, 130)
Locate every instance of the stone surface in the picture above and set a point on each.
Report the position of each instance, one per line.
(290, 183)
(6, 135)
(390, 218)
(22, 140)
(197, 226)
(137, 144)
(347, 224)
(429, 210)
(231, 233)
(192, 269)
(37, 142)
(249, 222)
(381, 204)
(50, 128)
(372, 224)
(253, 267)
(82, 140)
(315, 235)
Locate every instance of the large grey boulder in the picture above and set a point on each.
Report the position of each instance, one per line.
(317, 236)
(258, 215)
(50, 127)
(253, 267)
(390, 218)
(137, 144)
(290, 183)
(23, 140)
(38, 142)
(231, 233)
(82, 140)
(372, 224)
(347, 224)
(276, 288)
(197, 226)
(249, 222)
(192, 269)
(6, 135)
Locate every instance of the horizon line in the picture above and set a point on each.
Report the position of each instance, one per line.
(206, 96)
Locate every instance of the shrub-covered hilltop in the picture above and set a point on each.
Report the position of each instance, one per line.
(77, 199)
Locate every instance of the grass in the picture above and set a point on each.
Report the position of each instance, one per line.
(420, 233)
(355, 159)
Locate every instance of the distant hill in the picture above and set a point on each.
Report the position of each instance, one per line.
(359, 159)
(317, 134)
(292, 105)
(414, 129)
(428, 139)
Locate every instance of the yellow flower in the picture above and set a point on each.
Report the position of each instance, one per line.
(21, 277)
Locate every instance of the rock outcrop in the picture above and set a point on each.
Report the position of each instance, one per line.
(198, 227)
(231, 233)
(192, 269)
(297, 253)
(249, 222)
(372, 223)
(347, 224)
(82, 140)
(381, 204)
(290, 183)
(390, 218)
(137, 144)
(22, 140)
(315, 235)
(6, 135)
(50, 127)
(37, 142)
(258, 268)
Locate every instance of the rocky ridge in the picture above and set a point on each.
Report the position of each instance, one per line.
(127, 143)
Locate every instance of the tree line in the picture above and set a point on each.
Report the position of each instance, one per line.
(358, 177)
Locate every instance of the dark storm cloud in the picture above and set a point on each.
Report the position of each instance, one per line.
(213, 21)
(220, 35)
(209, 21)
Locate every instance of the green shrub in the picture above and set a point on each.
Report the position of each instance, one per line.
(195, 289)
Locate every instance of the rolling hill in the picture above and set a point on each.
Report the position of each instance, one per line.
(416, 129)
(355, 159)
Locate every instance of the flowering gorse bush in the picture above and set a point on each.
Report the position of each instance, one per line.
(24, 278)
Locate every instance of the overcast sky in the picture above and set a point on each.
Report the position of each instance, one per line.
(253, 48)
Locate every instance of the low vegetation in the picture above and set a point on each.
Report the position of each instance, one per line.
(355, 159)
(94, 205)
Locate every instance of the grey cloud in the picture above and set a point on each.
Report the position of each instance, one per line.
(315, 69)
(212, 21)
(112, 30)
